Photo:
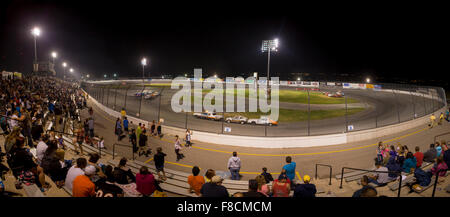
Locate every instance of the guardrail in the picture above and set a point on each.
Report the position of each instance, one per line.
(443, 134)
(325, 165)
(374, 171)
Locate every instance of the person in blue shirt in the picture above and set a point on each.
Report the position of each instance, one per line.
(290, 168)
(125, 124)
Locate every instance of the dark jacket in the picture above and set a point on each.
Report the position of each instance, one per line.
(422, 178)
(52, 167)
(305, 190)
(267, 176)
(393, 166)
(430, 155)
(121, 176)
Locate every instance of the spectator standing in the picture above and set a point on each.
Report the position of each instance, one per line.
(91, 128)
(159, 163)
(430, 154)
(441, 118)
(138, 132)
(280, 187)
(123, 113)
(432, 120)
(195, 181)
(214, 188)
(178, 148)
(118, 129)
(143, 144)
(379, 152)
(290, 168)
(419, 157)
(79, 138)
(188, 138)
(133, 140)
(82, 184)
(365, 184)
(145, 182)
(438, 149)
(159, 130)
(153, 128)
(253, 189)
(305, 190)
(234, 165)
(125, 124)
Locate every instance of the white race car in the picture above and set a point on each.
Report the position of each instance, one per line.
(263, 120)
(237, 119)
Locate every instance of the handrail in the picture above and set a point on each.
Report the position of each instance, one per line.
(436, 180)
(325, 165)
(123, 145)
(440, 135)
(398, 173)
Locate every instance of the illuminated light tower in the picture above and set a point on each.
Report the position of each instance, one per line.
(36, 32)
(367, 80)
(54, 55)
(64, 64)
(144, 63)
(269, 46)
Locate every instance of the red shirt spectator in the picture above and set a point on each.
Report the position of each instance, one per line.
(145, 182)
(419, 158)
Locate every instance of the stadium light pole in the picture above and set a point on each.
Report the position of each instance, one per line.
(144, 63)
(54, 55)
(367, 80)
(269, 46)
(36, 32)
(64, 64)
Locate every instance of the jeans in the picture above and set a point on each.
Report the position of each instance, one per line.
(234, 173)
(375, 182)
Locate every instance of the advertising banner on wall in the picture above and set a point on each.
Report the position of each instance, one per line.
(346, 85)
(283, 82)
(377, 87)
(369, 86)
(331, 84)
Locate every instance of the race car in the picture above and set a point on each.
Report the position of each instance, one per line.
(338, 94)
(237, 119)
(209, 116)
(151, 95)
(143, 93)
(263, 120)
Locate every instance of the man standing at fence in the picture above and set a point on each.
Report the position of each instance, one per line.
(234, 165)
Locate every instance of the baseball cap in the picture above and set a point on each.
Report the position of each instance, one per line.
(216, 179)
(306, 178)
(90, 170)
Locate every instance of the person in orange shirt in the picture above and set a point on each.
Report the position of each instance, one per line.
(195, 181)
(82, 184)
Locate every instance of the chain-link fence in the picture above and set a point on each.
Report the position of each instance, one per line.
(304, 111)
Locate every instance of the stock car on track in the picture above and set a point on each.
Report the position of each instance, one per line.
(263, 120)
(237, 119)
(208, 116)
(143, 93)
(337, 94)
(151, 95)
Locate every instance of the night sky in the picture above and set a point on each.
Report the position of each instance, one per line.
(408, 41)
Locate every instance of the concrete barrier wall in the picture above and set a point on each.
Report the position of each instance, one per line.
(283, 142)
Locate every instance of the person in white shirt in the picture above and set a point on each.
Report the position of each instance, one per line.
(41, 148)
(75, 171)
(234, 165)
(13, 121)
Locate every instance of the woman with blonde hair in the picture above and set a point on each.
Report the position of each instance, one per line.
(262, 186)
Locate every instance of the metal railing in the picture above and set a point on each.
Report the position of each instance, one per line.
(374, 171)
(325, 165)
(443, 134)
(436, 180)
(122, 145)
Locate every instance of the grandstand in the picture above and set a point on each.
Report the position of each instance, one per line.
(355, 160)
